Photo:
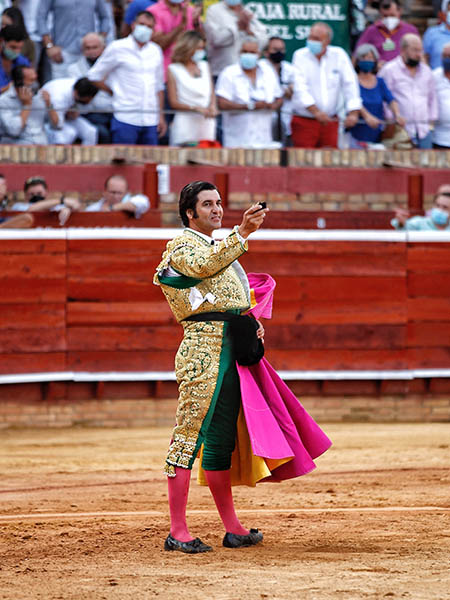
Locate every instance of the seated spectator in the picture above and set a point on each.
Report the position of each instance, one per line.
(191, 92)
(437, 220)
(441, 132)
(324, 74)
(116, 197)
(412, 84)
(436, 37)
(248, 92)
(99, 110)
(275, 54)
(12, 38)
(71, 21)
(227, 23)
(374, 95)
(66, 125)
(14, 16)
(22, 111)
(17, 221)
(132, 10)
(133, 67)
(387, 33)
(172, 19)
(36, 199)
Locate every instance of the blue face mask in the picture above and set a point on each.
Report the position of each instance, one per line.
(314, 46)
(142, 33)
(233, 2)
(446, 63)
(366, 66)
(439, 216)
(176, 1)
(248, 60)
(198, 55)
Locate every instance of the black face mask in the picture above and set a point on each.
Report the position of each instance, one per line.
(91, 61)
(36, 198)
(412, 62)
(277, 57)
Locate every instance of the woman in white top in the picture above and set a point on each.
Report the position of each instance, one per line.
(191, 92)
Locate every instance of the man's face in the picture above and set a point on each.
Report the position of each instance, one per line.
(413, 50)
(209, 212)
(81, 99)
(389, 9)
(29, 76)
(443, 202)
(14, 46)
(250, 47)
(319, 34)
(276, 46)
(115, 190)
(36, 190)
(148, 21)
(92, 47)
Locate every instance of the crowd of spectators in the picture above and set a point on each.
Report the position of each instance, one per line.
(167, 71)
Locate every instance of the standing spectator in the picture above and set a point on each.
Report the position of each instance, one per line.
(116, 197)
(387, 33)
(374, 95)
(133, 9)
(191, 92)
(436, 37)
(71, 21)
(324, 74)
(441, 133)
(172, 19)
(412, 84)
(14, 16)
(41, 63)
(22, 113)
(12, 38)
(275, 54)
(66, 125)
(134, 69)
(227, 24)
(101, 107)
(249, 92)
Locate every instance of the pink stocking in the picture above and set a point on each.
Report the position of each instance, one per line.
(178, 487)
(220, 486)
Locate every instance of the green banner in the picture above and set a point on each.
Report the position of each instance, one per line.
(292, 21)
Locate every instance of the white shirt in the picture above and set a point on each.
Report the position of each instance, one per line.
(61, 95)
(224, 39)
(11, 121)
(135, 75)
(321, 82)
(102, 101)
(441, 133)
(285, 78)
(140, 201)
(248, 128)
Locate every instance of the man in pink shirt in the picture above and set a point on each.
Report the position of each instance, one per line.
(173, 18)
(412, 84)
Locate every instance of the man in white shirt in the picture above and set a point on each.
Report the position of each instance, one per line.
(134, 69)
(324, 74)
(117, 198)
(99, 111)
(66, 95)
(248, 92)
(441, 133)
(226, 25)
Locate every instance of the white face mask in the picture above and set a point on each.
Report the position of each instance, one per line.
(390, 22)
(142, 33)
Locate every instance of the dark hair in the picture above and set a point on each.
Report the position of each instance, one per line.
(16, 16)
(34, 180)
(14, 33)
(147, 13)
(85, 88)
(115, 176)
(17, 75)
(384, 3)
(189, 197)
(275, 37)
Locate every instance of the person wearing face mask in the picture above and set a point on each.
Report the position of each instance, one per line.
(412, 84)
(248, 93)
(436, 220)
(99, 110)
(374, 95)
(324, 76)
(12, 38)
(191, 92)
(437, 36)
(441, 132)
(227, 23)
(275, 54)
(387, 33)
(131, 70)
(22, 111)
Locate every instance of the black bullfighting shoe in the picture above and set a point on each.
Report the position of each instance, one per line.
(193, 547)
(233, 540)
